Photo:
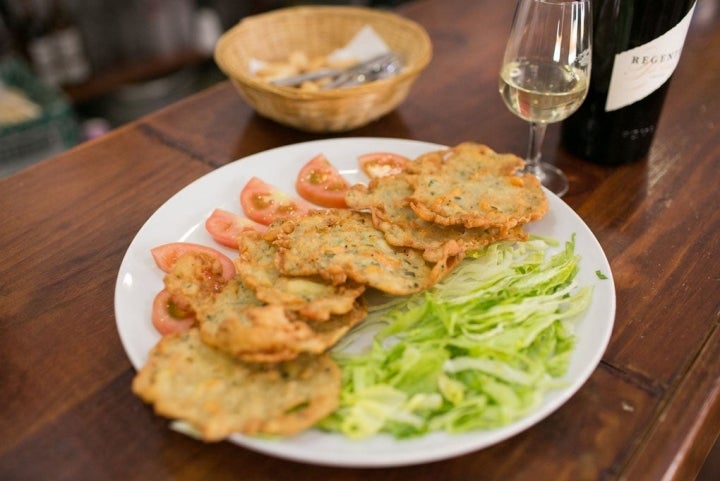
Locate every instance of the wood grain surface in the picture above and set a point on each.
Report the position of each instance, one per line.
(651, 410)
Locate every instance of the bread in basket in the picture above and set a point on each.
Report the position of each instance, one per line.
(318, 30)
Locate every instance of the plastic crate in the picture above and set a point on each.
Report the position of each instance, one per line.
(54, 130)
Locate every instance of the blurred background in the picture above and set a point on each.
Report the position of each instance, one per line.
(71, 70)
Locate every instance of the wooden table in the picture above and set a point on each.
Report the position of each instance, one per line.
(650, 411)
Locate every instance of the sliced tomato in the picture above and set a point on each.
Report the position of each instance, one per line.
(225, 227)
(167, 254)
(382, 164)
(167, 317)
(320, 182)
(265, 203)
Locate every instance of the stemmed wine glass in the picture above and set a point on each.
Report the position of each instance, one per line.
(545, 72)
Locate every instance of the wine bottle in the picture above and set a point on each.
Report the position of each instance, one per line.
(636, 47)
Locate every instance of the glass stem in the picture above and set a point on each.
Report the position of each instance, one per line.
(537, 135)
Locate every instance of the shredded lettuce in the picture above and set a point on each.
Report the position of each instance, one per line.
(477, 351)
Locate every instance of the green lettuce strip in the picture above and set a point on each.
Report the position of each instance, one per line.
(477, 351)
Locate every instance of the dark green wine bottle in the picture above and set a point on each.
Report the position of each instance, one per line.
(636, 47)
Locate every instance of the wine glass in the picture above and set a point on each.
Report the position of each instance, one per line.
(545, 72)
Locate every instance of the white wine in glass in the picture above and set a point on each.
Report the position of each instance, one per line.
(545, 72)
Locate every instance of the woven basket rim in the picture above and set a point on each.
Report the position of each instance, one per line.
(249, 81)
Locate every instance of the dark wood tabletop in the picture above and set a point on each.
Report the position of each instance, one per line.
(650, 411)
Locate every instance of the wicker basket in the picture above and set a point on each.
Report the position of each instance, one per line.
(318, 30)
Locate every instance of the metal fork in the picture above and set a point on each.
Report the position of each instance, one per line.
(381, 66)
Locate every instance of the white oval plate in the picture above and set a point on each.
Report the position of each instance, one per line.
(182, 218)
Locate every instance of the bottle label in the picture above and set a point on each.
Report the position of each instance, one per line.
(640, 71)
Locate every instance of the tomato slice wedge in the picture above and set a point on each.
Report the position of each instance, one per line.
(382, 164)
(225, 227)
(320, 182)
(265, 203)
(166, 255)
(169, 318)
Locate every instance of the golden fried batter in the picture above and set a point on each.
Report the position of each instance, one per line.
(483, 200)
(465, 160)
(194, 280)
(218, 395)
(386, 198)
(271, 333)
(342, 244)
(313, 298)
(232, 318)
(473, 186)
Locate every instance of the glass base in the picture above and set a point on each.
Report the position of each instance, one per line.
(552, 178)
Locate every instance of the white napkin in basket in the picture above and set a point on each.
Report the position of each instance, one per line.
(364, 45)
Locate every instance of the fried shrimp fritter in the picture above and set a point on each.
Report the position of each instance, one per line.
(218, 395)
(342, 244)
(473, 186)
(465, 160)
(386, 198)
(483, 201)
(194, 279)
(313, 298)
(232, 318)
(271, 333)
